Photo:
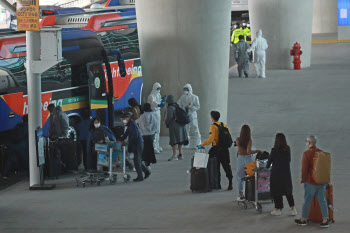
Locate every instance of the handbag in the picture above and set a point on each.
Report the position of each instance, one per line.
(200, 159)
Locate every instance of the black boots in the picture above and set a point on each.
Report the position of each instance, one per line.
(230, 184)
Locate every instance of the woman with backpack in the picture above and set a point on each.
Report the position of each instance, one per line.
(177, 132)
(245, 155)
(281, 178)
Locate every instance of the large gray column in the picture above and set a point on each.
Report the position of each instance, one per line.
(325, 18)
(187, 41)
(283, 22)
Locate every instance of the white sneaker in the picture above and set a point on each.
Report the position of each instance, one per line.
(293, 212)
(276, 212)
(156, 151)
(240, 199)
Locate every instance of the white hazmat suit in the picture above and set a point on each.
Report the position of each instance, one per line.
(259, 45)
(190, 103)
(156, 102)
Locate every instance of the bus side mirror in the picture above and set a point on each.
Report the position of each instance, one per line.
(120, 60)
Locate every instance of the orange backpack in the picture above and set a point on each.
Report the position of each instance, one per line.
(249, 168)
(321, 170)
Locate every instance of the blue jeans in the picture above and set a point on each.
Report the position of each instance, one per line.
(242, 160)
(310, 191)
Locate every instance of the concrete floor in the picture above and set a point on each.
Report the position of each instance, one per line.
(297, 103)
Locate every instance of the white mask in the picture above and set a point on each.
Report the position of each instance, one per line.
(97, 125)
(186, 92)
(125, 121)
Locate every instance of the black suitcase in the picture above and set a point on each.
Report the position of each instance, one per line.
(3, 158)
(52, 161)
(213, 173)
(69, 154)
(199, 179)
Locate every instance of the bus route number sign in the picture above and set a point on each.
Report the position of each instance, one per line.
(28, 15)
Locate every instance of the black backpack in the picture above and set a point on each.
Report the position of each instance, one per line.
(225, 139)
(181, 116)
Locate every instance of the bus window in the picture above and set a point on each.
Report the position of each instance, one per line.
(79, 76)
(16, 67)
(57, 77)
(125, 40)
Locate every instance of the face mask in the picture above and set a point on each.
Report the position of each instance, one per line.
(125, 121)
(248, 25)
(186, 92)
(97, 125)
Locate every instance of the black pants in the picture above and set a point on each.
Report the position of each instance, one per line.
(223, 158)
(279, 201)
(139, 166)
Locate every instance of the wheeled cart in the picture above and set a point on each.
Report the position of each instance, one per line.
(109, 154)
(257, 189)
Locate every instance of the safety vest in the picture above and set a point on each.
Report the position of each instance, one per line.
(247, 33)
(235, 34)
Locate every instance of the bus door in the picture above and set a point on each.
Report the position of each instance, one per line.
(98, 97)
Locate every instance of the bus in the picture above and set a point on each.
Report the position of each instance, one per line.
(90, 40)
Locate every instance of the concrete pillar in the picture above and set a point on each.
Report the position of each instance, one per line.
(283, 22)
(34, 102)
(187, 41)
(325, 18)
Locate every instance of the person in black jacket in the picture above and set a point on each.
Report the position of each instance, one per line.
(135, 145)
(281, 178)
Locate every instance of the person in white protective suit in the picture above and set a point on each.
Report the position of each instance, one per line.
(190, 103)
(259, 45)
(157, 102)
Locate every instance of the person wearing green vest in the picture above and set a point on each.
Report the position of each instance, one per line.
(247, 34)
(236, 33)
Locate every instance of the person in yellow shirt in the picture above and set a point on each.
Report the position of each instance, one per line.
(222, 154)
(236, 33)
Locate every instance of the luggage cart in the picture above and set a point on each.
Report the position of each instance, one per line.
(109, 154)
(257, 189)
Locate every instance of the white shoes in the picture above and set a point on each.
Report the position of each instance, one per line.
(276, 212)
(156, 151)
(293, 212)
(240, 199)
(173, 158)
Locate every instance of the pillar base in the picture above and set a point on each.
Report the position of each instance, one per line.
(42, 187)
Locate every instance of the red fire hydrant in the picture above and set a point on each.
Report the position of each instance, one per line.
(296, 52)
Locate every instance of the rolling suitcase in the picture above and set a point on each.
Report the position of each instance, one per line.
(69, 155)
(52, 161)
(3, 158)
(315, 210)
(199, 179)
(213, 173)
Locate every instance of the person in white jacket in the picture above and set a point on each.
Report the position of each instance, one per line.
(190, 103)
(148, 128)
(259, 45)
(157, 102)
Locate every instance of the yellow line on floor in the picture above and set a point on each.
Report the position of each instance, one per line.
(329, 41)
(323, 41)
